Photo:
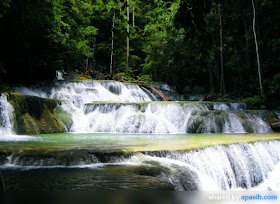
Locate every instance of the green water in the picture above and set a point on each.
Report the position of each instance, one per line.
(131, 142)
(114, 178)
(68, 166)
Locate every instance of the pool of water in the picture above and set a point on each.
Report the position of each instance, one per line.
(108, 161)
(129, 142)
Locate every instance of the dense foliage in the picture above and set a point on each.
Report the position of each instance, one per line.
(173, 41)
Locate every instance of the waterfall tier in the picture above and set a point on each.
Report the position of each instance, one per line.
(226, 167)
(171, 117)
(222, 167)
(83, 92)
(6, 116)
(108, 106)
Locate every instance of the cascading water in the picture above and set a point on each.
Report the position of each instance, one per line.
(123, 113)
(278, 115)
(59, 75)
(170, 93)
(6, 122)
(230, 106)
(6, 116)
(83, 92)
(167, 87)
(181, 175)
(245, 166)
(165, 118)
(271, 183)
(140, 118)
(107, 106)
(223, 167)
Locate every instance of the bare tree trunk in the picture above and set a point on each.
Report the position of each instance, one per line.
(133, 18)
(257, 48)
(222, 82)
(127, 38)
(87, 64)
(112, 47)
(152, 89)
(246, 33)
(211, 80)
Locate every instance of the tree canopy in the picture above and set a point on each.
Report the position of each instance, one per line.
(174, 41)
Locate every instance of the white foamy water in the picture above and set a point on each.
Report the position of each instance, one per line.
(248, 166)
(233, 124)
(6, 116)
(181, 175)
(230, 106)
(83, 92)
(140, 118)
(162, 117)
(6, 122)
(59, 75)
(272, 182)
(278, 115)
(237, 166)
(18, 138)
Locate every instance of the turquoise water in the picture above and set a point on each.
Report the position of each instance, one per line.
(103, 161)
(131, 142)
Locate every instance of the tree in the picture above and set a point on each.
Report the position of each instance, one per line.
(127, 38)
(222, 83)
(112, 48)
(257, 48)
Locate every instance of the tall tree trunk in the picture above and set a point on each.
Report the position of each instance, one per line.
(112, 48)
(127, 38)
(87, 64)
(133, 18)
(246, 33)
(30, 66)
(211, 79)
(257, 47)
(222, 82)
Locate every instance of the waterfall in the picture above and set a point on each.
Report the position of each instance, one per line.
(170, 92)
(278, 115)
(244, 166)
(7, 121)
(6, 116)
(247, 166)
(140, 118)
(83, 92)
(271, 183)
(233, 124)
(230, 106)
(181, 175)
(167, 87)
(108, 106)
(59, 75)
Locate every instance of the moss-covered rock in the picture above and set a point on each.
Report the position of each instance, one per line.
(34, 115)
(28, 125)
(219, 121)
(247, 125)
(84, 77)
(64, 117)
(195, 125)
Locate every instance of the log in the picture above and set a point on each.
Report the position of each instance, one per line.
(275, 125)
(152, 89)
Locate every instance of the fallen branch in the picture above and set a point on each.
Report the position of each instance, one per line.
(152, 89)
(275, 125)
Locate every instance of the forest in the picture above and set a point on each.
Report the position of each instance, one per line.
(230, 49)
